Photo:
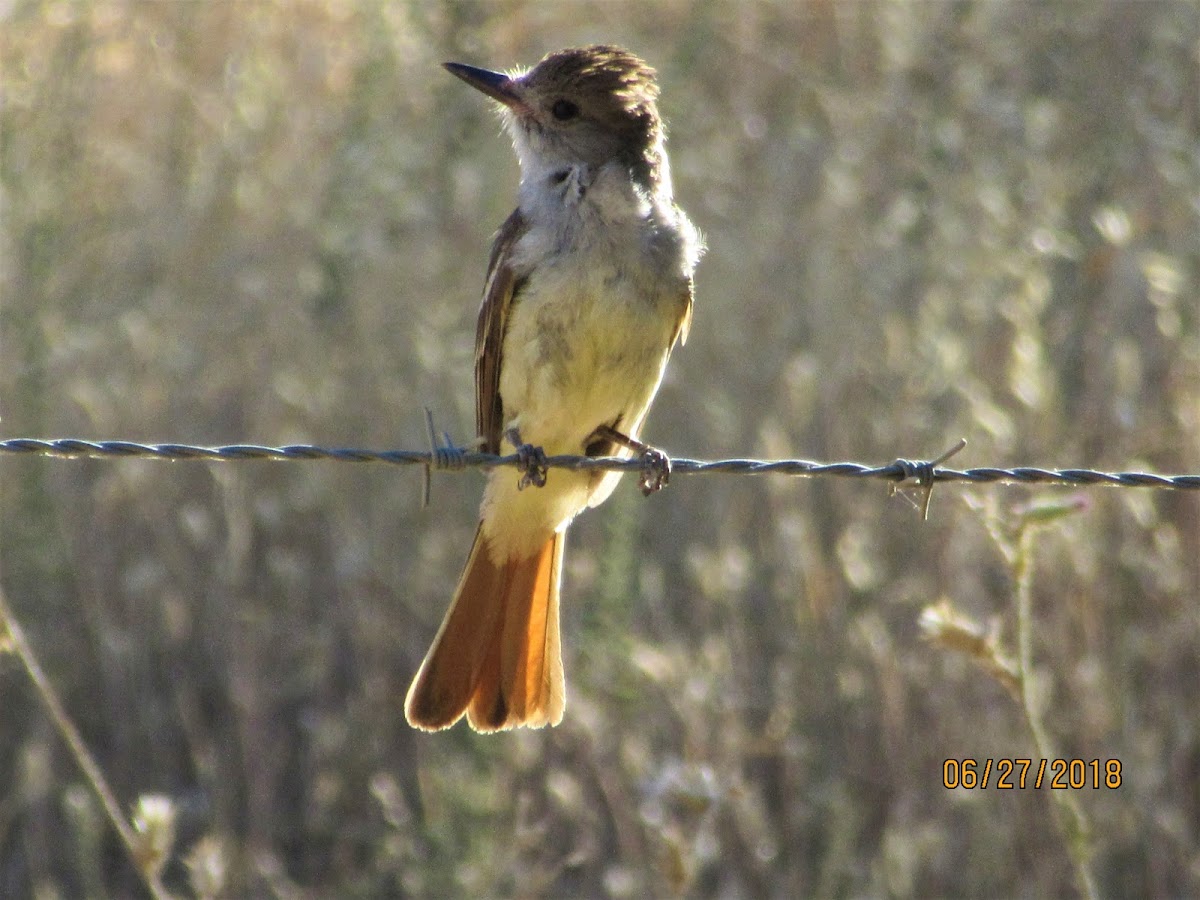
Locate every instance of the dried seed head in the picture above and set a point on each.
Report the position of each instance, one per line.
(154, 826)
(208, 866)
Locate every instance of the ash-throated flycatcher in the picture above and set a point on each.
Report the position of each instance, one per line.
(589, 286)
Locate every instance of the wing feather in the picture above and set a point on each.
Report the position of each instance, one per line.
(502, 285)
(685, 319)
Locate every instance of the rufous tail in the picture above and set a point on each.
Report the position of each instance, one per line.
(496, 656)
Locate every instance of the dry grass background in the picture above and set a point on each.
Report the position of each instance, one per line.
(226, 222)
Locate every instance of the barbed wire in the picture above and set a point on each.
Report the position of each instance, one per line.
(450, 458)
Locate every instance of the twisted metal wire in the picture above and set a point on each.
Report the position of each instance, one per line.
(449, 458)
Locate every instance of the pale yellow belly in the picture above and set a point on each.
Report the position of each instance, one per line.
(573, 360)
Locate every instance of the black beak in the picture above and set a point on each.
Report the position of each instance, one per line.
(496, 85)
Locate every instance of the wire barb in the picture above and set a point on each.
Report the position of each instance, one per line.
(445, 457)
(427, 481)
(924, 473)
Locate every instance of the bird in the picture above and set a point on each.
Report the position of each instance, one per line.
(589, 287)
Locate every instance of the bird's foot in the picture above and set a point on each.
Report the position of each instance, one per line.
(530, 459)
(656, 465)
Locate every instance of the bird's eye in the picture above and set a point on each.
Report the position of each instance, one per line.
(564, 110)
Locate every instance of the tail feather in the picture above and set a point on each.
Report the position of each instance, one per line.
(497, 656)
(530, 676)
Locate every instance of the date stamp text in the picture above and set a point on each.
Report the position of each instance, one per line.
(1019, 774)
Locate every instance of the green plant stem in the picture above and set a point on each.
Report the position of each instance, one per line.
(70, 734)
(1071, 817)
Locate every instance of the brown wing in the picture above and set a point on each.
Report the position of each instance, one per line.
(501, 287)
(685, 319)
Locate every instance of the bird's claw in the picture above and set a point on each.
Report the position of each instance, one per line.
(656, 471)
(530, 459)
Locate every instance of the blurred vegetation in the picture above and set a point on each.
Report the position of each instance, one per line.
(268, 222)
